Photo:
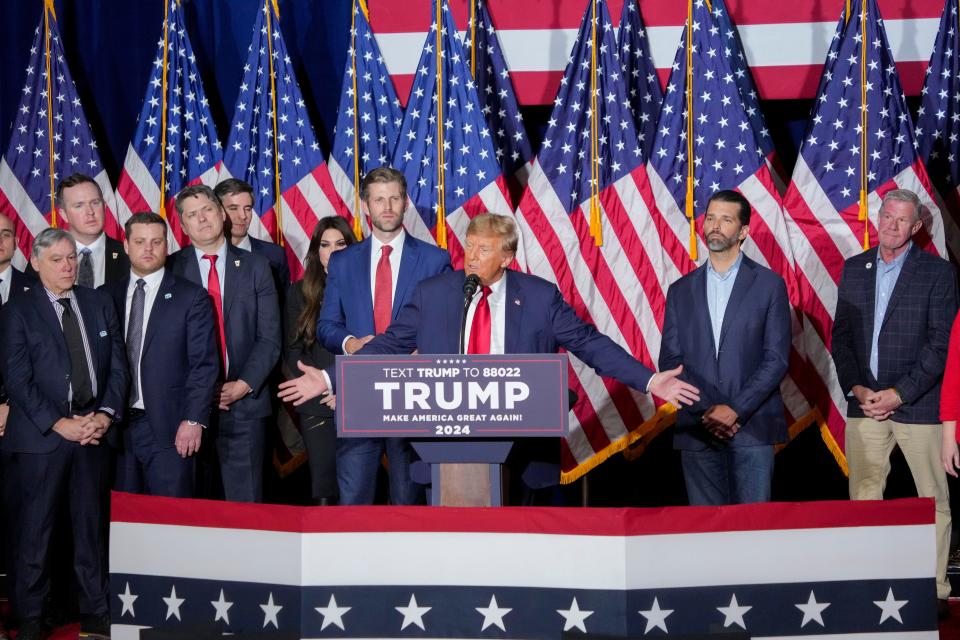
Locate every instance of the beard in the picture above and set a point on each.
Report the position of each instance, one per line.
(720, 242)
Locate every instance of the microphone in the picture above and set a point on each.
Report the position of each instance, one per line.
(470, 286)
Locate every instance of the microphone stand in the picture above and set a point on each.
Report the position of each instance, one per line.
(469, 289)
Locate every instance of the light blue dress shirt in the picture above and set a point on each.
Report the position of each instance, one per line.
(887, 275)
(719, 288)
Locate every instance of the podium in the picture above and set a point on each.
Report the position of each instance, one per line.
(461, 412)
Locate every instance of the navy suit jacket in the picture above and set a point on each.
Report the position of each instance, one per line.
(347, 300)
(251, 318)
(19, 284)
(277, 258)
(754, 353)
(180, 362)
(537, 320)
(913, 337)
(34, 352)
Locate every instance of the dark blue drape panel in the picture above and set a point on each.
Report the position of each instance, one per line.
(111, 46)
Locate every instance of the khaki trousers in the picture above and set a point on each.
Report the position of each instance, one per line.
(869, 445)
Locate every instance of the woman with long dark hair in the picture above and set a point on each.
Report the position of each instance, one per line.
(303, 304)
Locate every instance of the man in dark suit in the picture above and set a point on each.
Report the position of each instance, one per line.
(247, 321)
(174, 365)
(13, 283)
(895, 307)
(64, 347)
(511, 312)
(80, 202)
(236, 196)
(367, 284)
(728, 324)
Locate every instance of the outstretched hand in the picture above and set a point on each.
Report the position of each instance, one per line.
(666, 385)
(307, 387)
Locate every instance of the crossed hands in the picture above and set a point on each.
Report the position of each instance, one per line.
(721, 421)
(878, 405)
(87, 429)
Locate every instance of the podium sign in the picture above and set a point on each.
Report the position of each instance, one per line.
(452, 396)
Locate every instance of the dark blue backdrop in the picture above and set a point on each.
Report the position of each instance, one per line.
(111, 44)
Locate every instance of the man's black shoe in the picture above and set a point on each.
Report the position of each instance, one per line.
(95, 626)
(33, 629)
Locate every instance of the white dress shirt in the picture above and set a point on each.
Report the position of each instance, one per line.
(98, 254)
(204, 266)
(150, 289)
(376, 248)
(498, 315)
(5, 277)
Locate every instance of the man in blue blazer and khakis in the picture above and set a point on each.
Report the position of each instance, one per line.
(367, 284)
(895, 307)
(247, 324)
(168, 327)
(728, 324)
(511, 312)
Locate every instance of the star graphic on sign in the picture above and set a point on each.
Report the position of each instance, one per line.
(222, 607)
(173, 603)
(733, 614)
(890, 608)
(574, 617)
(127, 599)
(413, 613)
(656, 617)
(270, 611)
(332, 614)
(493, 614)
(813, 610)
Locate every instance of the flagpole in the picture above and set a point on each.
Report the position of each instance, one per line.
(163, 110)
(596, 229)
(357, 229)
(47, 11)
(278, 196)
(473, 38)
(689, 204)
(863, 215)
(441, 196)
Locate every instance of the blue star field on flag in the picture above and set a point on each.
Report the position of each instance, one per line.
(643, 85)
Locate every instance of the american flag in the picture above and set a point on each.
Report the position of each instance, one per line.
(524, 572)
(643, 85)
(49, 141)
(445, 120)
(264, 143)
(175, 128)
(497, 98)
(725, 156)
(823, 197)
(733, 50)
(938, 122)
(369, 116)
(619, 286)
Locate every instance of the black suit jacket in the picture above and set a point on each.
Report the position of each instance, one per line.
(116, 264)
(19, 284)
(913, 337)
(251, 318)
(180, 362)
(34, 352)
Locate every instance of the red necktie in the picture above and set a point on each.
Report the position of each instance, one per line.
(383, 292)
(213, 288)
(480, 329)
